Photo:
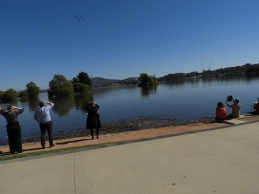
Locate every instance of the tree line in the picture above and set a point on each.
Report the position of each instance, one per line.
(58, 86)
(248, 68)
(61, 86)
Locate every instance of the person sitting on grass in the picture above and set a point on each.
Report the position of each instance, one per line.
(236, 106)
(221, 113)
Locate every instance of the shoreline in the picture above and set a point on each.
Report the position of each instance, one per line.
(86, 140)
(82, 139)
(125, 125)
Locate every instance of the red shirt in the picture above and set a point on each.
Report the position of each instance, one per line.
(221, 112)
(256, 107)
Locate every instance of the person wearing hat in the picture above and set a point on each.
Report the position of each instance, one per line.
(236, 106)
(256, 106)
(13, 127)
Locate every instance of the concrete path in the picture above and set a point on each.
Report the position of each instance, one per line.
(224, 161)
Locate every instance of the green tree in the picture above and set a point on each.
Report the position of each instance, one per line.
(1, 95)
(84, 78)
(33, 90)
(75, 80)
(145, 80)
(23, 95)
(81, 88)
(60, 86)
(9, 96)
(153, 80)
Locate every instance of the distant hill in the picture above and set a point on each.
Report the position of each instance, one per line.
(130, 80)
(99, 81)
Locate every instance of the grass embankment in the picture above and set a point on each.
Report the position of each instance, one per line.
(56, 151)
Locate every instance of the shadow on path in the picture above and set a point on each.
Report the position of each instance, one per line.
(72, 141)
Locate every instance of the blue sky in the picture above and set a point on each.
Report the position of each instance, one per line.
(118, 39)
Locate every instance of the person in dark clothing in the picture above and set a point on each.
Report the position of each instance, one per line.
(93, 120)
(13, 127)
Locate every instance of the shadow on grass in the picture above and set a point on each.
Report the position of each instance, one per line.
(5, 153)
(24, 150)
(31, 149)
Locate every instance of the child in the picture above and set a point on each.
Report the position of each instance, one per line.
(221, 113)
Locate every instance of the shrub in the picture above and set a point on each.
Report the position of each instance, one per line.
(60, 86)
(23, 95)
(9, 96)
(32, 89)
(81, 88)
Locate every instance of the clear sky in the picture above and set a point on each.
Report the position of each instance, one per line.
(117, 39)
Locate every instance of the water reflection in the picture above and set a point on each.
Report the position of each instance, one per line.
(241, 78)
(181, 99)
(147, 90)
(34, 103)
(251, 77)
(177, 83)
(81, 101)
(63, 105)
(103, 91)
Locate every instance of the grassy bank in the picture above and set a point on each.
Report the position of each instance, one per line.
(47, 152)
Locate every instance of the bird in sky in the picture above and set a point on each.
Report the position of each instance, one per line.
(79, 17)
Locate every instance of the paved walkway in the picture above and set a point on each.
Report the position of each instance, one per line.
(218, 161)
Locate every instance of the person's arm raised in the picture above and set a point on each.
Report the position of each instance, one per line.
(16, 107)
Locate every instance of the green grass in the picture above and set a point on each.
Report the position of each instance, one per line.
(38, 153)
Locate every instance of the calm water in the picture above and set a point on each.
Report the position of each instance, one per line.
(182, 100)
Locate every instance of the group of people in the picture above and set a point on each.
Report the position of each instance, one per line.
(42, 116)
(221, 113)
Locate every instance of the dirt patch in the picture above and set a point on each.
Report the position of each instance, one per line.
(115, 137)
(127, 130)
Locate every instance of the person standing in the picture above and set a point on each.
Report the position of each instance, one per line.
(13, 127)
(42, 116)
(93, 120)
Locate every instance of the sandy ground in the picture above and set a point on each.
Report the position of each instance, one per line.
(108, 138)
(123, 136)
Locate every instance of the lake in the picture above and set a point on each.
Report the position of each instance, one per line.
(181, 100)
